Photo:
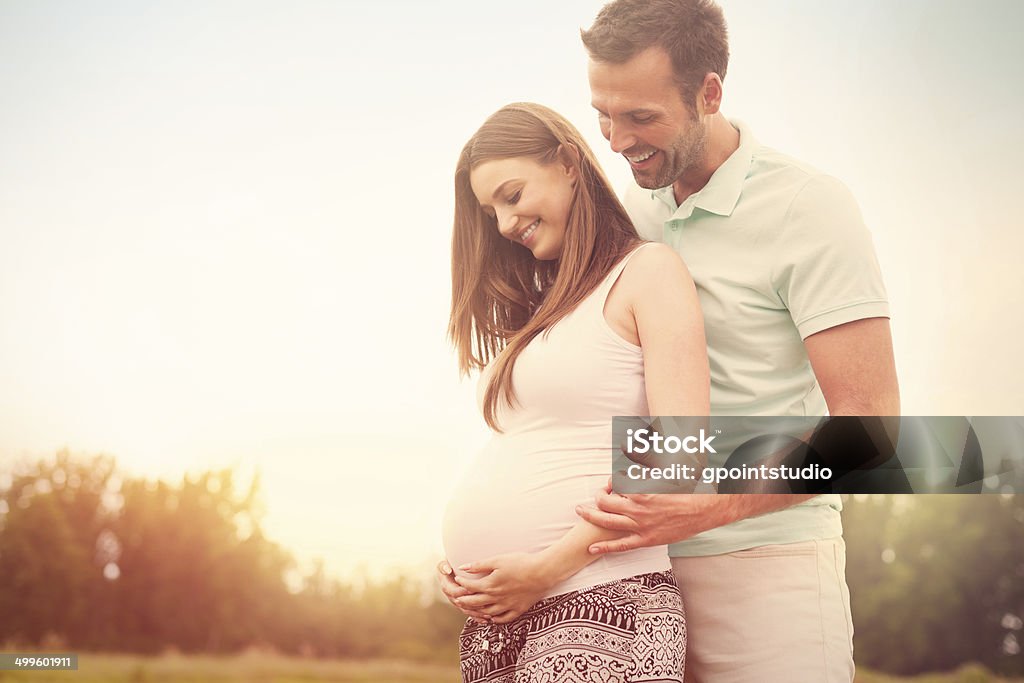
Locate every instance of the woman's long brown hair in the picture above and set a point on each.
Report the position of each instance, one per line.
(502, 297)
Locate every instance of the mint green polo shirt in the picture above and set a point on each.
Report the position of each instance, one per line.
(778, 251)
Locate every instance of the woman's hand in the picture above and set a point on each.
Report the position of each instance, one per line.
(453, 591)
(512, 584)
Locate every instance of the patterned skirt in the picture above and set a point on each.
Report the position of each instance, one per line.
(627, 631)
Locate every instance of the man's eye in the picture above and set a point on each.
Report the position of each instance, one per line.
(642, 119)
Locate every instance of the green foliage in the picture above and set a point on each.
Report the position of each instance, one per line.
(91, 560)
(936, 581)
(189, 577)
(51, 583)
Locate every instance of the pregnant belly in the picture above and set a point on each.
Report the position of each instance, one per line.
(519, 502)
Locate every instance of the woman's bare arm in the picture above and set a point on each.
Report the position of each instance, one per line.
(655, 303)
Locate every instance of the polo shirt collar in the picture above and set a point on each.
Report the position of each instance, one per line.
(723, 190)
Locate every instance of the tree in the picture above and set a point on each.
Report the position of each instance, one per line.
(56, 512)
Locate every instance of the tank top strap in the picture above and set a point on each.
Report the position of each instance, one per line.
(602, 291)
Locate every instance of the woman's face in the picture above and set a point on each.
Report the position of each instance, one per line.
(529, 200)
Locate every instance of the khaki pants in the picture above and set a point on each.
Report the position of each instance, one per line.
(772, 614)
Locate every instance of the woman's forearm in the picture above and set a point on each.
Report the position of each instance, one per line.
(570, 553)
(512, 582)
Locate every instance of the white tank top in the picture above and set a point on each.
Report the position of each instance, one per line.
(555, 452)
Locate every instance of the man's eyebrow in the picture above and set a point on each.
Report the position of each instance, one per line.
(642, 111)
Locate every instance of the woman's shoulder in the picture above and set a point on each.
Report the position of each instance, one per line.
(654, 283)
(653, 273)
(654, 253)
(654, 264)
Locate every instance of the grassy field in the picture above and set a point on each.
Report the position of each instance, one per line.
(971, 673)
(245, 668)
(268, 668)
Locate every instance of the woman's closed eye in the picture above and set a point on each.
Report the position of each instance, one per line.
(514, 197)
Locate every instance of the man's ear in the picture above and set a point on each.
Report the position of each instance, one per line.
(709, 96)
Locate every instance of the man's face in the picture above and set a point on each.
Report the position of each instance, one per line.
(643, 115)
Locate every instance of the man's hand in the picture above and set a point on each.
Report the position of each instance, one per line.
(659, 519)
(649, 519)
(454, 592)
(514, 582)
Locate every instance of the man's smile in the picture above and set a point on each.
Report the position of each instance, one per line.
(638, 161)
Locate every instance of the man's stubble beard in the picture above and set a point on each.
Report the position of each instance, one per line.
(687, 152)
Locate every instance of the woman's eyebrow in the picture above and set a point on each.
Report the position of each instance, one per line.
(498, 189)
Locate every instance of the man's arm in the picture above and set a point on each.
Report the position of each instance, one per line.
(856, 370)
(659, 519)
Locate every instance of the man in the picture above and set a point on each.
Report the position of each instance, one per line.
(796, 319)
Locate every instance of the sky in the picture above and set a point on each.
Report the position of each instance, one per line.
(225, 226)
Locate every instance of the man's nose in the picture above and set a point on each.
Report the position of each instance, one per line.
(620, 137)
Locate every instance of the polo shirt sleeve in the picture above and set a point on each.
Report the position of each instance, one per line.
(827, 273)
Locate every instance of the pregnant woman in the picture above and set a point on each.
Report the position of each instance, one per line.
(571, 320)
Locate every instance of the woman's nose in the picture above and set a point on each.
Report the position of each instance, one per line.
(507, 223)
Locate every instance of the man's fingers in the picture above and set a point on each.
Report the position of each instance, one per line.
(606, 520)
(631, 542)
(615, 503)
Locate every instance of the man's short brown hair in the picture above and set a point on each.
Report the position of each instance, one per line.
(692, 32)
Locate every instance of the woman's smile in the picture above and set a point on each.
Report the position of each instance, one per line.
(527, 235)
(523, 195)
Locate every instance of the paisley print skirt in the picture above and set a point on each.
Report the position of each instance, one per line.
(627, 631)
